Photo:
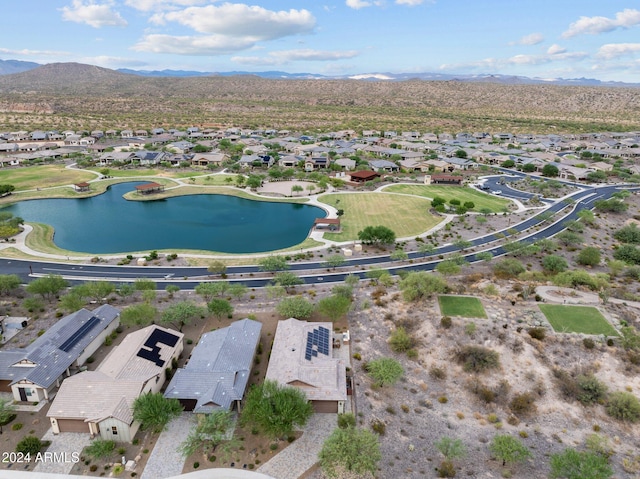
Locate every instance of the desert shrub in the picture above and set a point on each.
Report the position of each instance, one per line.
(589, 343)
(346, 420)
(523, 404)
(385, 371)
(567, 384)
(477, 358)
(401, 341)
(438, 373)
(17, 426)
(538, 333)
(29, 445)
(378, 426)
(446, 469)
(508, 268)
(446, 322)
(591, 389)
(624, 406)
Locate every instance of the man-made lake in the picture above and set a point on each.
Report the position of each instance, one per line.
(108, 223)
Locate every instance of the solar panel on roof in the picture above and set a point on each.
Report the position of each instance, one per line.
(79, 334)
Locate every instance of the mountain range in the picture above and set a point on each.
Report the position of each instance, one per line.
(16, 66)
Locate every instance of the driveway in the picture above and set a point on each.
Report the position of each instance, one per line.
(165, 460)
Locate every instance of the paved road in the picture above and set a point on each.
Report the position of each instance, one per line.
(189, 277)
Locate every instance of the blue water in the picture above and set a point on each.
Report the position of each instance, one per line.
(108, 223)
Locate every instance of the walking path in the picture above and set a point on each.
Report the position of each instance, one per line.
(165, 460)
(555, 294)
(302, 454)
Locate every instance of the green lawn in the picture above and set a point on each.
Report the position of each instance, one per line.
(405, 215)
(44, 176)
(464, 194)
(577, 319)
(464, 306)
(129, 172)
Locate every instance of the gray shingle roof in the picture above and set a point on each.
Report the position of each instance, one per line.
(48, 359)
(218, 371)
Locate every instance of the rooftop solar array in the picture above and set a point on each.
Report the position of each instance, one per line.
(151, 351)
(79, 334)
(317, 342)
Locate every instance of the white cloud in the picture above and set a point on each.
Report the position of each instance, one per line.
(494, 64)
(594, 25)
(240, 20)
(112, 62)
(287, 56)
(358, 4)
(190, 45)
(531, 39)
(410, 3)
(27, 52)
(157, 5)
(615, 50)
(556, 49)
(93, 14)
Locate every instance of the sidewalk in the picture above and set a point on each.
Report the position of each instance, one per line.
(302, 454)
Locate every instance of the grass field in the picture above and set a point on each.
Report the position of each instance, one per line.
(215, 180)
(577, 319)
(464, 306)
(405, 215)
(481, 200)
(45, 176)
(213, 190)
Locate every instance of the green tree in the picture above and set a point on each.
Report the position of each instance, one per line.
(448, 267)
(275, 409)
(210, 289)
(377, 235)
(296, 189)
(335, 261)
(628, 253)
(628, 234)
(401, 341)
(220, 307)
(7, 411)
(426, 249)
(334, 307)
(611, 205)
(125, 289)
(97, 290)
(217, 267)
(171, 289)
(237, 290)
(141, 314)
(9, 282)
(144, 284)
(48, 286)
(461, 154)
(484, 256)
(384, 371)
(352, 450)
(287, 280)
(451, 449)
(550, 170)
(572, 464)
(589, 256)
(210, 432)
(154, 412)
(508, 268)
(182, 313)
(295, 307)
(399, 255)
(508, 449)
(273, 263)
(554, 264)
(71, 302)
(418, 285)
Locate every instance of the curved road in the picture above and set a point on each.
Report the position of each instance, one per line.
(189, 277)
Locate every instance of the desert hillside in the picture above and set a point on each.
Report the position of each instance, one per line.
(84, 96)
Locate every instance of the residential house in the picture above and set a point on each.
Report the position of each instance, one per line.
(460, 164)
(115, 157)
(150, 158)
(384, 165)
(100, 402)
(215, 159)
(346, 163)
(218, 370)
(33, 372)
(289, 161)
(302, 357)
(181, 147)
(317, 163)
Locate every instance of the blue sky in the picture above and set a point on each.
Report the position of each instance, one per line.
(536, 38)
